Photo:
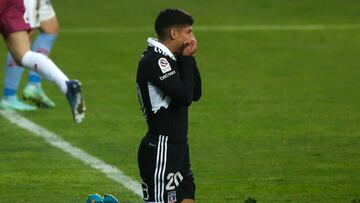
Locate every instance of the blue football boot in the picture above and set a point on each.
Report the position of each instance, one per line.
(94, 198)
(14, 103)
(36, 94)
(75, 100)
(110, 199)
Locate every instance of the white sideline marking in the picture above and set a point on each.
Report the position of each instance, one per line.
(218, 28)
(110, 171)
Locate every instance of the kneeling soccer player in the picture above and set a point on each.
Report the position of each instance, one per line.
(168, 80)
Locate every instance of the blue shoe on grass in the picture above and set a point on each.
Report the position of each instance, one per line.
(94, 198)
(14, 103)
(36, 94)
(110, 199)
(75, 100)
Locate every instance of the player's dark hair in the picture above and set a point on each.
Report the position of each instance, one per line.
(171, 17)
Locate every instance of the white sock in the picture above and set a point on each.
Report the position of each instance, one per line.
(45, 67)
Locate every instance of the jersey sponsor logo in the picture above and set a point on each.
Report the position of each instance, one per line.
(163, 77)
(164, 65)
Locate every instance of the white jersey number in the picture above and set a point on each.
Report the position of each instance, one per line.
(174, 180)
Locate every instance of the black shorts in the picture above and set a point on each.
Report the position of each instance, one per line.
(165, 170)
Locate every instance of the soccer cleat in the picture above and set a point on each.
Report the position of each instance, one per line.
(75, 100)
(94, 198)
(108, 198)
(15, 104)
(36, 94)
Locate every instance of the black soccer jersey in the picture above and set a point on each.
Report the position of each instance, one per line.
(166, 86)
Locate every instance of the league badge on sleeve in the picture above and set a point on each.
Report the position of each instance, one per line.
(164, 65)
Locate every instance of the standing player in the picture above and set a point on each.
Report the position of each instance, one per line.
(40, 14)
(14, 28)
(168, 80)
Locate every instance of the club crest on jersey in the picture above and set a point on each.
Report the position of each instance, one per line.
(172, 197)
(164, 65)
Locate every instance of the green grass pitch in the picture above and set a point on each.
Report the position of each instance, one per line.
(279, 120)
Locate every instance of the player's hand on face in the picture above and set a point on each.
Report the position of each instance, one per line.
(190, 47)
